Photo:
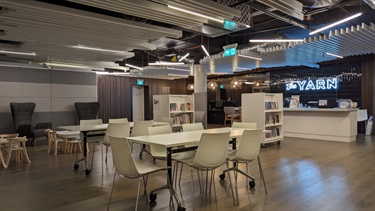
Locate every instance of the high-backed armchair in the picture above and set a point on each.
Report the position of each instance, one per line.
(87, 110)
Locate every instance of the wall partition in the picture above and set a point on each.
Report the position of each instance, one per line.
(54, 92)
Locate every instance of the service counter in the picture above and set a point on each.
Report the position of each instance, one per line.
(324, 124)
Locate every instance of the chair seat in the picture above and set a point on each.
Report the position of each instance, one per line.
(233, 115)
(145, 167)
(231, 155)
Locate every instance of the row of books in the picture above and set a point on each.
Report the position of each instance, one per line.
(272, 119)
(275, 132)
(181, 107)
(181, 119)
(271, 105)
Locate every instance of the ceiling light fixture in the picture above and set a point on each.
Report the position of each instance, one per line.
(250, 57)
(278, 40)
(331, 54)
(212, 85)
(133, 66)
(336, 23)
(166, 63)
(235, 83)
(184, 57)
(49, 64)
(205, 51)
(19, 53)
(178, 75)
(194, 13)
(190, 87)
(98, 49)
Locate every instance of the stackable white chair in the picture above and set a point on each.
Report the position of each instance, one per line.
(230, 115)
(54, 141)
(192, 127)
(168, 120)
(247, 152)
(130, 168)
(117, 130)
(211, 153)
(118, 120)
(158, 151)
(140, 128)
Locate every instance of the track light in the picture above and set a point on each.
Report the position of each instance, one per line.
(250, 57)
(194, 13)
(205, 51)
(336, 23)
(278, 40)
(52, 64)
(166, 63)
(331, 54)
(184, 57)
(19, 53)
(133, 66)
(98, 49)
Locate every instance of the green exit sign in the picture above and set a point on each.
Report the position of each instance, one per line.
(230, 51)
(140, 82)
(221, 86)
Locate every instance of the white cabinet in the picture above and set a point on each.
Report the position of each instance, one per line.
(178, 107)
(265, 109)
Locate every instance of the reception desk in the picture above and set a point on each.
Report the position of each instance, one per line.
(324, 124)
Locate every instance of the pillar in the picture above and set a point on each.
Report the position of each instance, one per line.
(200, 94)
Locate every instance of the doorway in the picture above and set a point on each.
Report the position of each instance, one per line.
(140, 104)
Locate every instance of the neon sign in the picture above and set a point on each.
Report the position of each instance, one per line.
(318, 84)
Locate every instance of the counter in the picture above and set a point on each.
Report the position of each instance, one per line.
(324, 124)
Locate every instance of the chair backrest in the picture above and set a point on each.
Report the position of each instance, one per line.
(192, 127)
(87, 110)
(120, 130)
(167, 119)
(164, 129)
(91, 122)
(122, 157)
(11, 135)
(22, 114)
(229, 110)
(362, 115)
(248, 125)
(212, 150)
(248, 148)
(119, 120)
(140, 128)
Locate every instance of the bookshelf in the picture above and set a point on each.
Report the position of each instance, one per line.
(178, 107)
(265, 109)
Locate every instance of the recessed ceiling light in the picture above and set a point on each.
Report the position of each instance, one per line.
(278, 40)
(166, 63)
(133, 66)
(250, 57)
(331, 54)
(336, 23)
(19, 53)
(98, 49)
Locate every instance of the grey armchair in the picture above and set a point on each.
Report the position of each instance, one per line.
(87, 110)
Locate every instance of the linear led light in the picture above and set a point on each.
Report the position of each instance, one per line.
(178, 75)
(250, 57)
(184, 57)
(64, 65)
(331, 54)
(205, 51)
(166, 63)
(278, 40)
(336, 23)
(98, 49)
(179, 69)
(194, 13)
(133, 66)
(19, 53)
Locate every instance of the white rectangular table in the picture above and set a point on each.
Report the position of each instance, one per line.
(85, 129)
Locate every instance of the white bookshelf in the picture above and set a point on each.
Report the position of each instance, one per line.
(178, 107)
(265, 109)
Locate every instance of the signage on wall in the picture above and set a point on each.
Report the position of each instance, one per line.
(140, 82)
(310, 85)
(230, 50)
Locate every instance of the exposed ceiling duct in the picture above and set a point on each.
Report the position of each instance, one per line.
(319, 3)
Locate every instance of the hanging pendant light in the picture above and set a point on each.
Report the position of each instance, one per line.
(190, 87)
(235, 83)
(212, 85)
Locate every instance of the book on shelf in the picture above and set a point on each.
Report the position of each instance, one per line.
(173, 107)
(271, 105)
(182, 107)
(275, 132)
(272, 119)
(189, 106)
(181, 119)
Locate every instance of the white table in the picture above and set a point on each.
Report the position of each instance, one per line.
(85, 129)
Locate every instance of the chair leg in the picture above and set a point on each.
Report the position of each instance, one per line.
(2, 158)
(110, 196)
(106, 153)
(9, 154)
(235, 183)
(139, 187)
(192, 185)
(25, 152)
(102, 160)
(247, 172)
(230, 184)
(262, 175)
(92, 159)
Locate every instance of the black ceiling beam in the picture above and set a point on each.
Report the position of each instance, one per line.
(239, 3)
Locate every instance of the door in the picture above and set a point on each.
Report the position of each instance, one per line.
(138, 97)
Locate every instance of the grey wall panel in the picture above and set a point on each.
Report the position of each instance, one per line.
(67, 103)
(42, 104)
(6, 123)
(64, 90)
(18, 89)
(14, 74)
(64, 118)
(69, 77)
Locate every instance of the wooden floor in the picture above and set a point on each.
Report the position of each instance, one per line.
(300, 174)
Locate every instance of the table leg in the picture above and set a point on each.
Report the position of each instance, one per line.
(87, 170)
(169, 162)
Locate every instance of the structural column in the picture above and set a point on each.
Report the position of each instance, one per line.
(200, 93)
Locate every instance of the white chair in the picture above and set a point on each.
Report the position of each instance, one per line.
(3, 144)
(14, 143)
(115, 129)
(211, 153)
(362, 116)
(230, 115)
(168, 120)
(247, 125)
(158, 151)
(192, 127)
(94, 137)
(130, 168)
(140, 128)
(54, 141)
(118, 120)
(247, 151)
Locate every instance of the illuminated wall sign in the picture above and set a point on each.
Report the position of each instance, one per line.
(221, 86)
(140, 82)
(318, 84)
(230, 52)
